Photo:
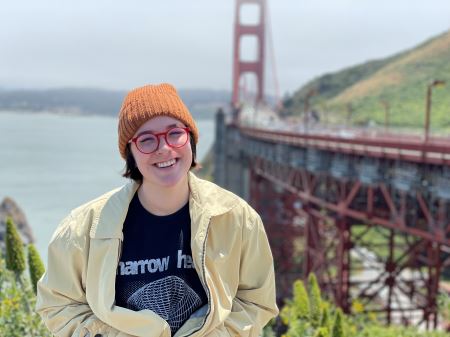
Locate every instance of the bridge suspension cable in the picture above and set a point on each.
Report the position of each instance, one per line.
(278, 101)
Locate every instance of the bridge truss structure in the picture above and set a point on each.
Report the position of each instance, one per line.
(368, 213)
(370, 216)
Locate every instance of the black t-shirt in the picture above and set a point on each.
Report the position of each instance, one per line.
(156, 270)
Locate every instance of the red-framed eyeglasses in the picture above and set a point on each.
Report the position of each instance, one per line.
(148, 142)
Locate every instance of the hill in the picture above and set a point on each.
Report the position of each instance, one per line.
(399, 81)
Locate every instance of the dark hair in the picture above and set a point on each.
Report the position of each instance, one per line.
(132, 171)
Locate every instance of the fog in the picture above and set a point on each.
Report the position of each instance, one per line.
(122, 44)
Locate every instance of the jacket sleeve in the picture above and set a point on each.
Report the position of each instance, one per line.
(255, 301)
(61, 299)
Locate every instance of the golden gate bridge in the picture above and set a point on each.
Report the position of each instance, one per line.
(322, 192)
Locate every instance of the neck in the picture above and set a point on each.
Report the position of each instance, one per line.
(160, 200)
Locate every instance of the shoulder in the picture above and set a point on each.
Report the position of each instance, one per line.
(208, 189)
(220, 201)
(76, 225)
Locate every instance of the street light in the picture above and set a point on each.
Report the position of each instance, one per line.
(435, 83)
(308, 96)
(386, 106)
(349, 114)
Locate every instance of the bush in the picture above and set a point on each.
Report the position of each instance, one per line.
(15, 254)
(36, 267)
(17, 298)
(315, 301)
(308, 315)
(338, 330)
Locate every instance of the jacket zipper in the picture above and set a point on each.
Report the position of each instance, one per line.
(120, 250)
(119, 254)
(205, 285)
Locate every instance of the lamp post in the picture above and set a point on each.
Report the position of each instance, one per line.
(435, 83)
(310, 94)
(349, 114)
(386, 106)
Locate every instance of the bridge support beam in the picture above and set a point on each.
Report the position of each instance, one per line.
(343, 264)
(366, 261)
(375, 232)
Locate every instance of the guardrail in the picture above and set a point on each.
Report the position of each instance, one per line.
(409, 148)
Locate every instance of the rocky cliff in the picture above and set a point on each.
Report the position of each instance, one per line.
(9, 208)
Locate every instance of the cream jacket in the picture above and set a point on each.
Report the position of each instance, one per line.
(230, 251)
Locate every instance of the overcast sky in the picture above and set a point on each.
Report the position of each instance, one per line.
(123, 44)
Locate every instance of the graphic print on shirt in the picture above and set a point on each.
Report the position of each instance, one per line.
(170, 297)
(143, 266)
(160, 277)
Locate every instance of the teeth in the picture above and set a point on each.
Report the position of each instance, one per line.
(166, 163)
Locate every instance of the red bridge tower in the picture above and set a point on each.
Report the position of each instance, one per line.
(257, 67)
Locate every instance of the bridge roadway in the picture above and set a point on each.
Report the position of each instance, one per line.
(321, 194)
(363, 142)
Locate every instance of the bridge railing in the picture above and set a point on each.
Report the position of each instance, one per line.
(350, 141)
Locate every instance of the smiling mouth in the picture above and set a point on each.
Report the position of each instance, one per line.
(165, 164)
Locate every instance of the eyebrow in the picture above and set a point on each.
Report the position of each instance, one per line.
(151, 131)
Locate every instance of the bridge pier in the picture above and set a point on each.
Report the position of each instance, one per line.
(230, 166)
(220, 149)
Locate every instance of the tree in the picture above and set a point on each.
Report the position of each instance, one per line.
(301, 300)
(35, 266)
(338, 328)
(315, 301)
(325, 317)
(15, 254)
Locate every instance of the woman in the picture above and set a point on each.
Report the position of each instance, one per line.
(168, 253)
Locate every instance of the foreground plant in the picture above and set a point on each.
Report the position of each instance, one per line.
(17, 298)
(307, 314)
(15, 253)
(35, 266)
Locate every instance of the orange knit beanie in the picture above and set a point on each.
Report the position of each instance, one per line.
(144, 103)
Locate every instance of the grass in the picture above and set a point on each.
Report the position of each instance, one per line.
(400, 80)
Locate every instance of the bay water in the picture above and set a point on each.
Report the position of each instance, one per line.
(50, 164)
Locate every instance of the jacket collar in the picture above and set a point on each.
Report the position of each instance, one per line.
(111, 210)
(209, 197)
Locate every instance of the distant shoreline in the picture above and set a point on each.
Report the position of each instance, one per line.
(203, 104)
(77, 113)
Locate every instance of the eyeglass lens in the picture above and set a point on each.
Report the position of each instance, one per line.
(148, 142)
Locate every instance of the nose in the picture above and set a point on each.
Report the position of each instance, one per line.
(162, 143)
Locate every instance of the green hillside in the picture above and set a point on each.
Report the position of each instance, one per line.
(401, 81)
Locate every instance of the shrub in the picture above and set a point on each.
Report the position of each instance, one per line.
(15, 255)
(300, 316)
(338, 329)
(17, 298)
(16, 320)
(303, 313)
(35, 266)
(315, 301)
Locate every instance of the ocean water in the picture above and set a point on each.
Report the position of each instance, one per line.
(50, 164)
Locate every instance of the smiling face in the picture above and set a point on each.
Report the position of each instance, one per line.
(167, 166)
